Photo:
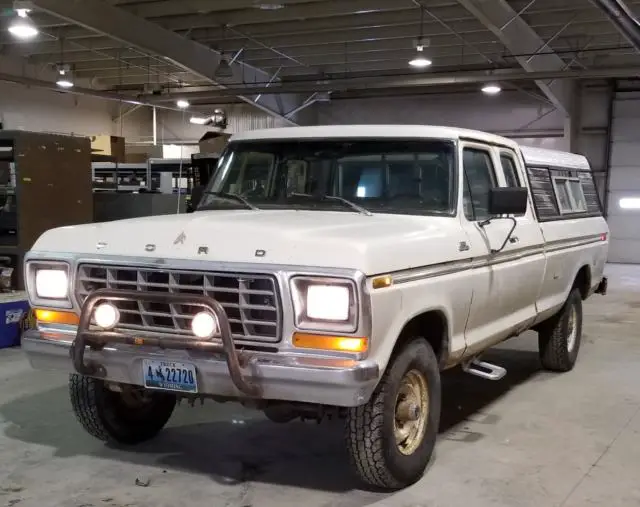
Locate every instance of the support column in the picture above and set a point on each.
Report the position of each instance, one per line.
(573, 120)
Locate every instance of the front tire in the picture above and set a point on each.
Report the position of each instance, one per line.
(559, 339)
(129, 417)
(391, 438)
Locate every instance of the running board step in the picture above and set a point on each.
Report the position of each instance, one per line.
(483, 369)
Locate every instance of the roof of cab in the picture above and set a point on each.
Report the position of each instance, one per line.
(375, 131)
(533, 156)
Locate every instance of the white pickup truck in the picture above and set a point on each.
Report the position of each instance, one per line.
(326, 271)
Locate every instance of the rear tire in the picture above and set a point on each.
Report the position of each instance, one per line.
(129, 417)
(559, 338)
(380, 453)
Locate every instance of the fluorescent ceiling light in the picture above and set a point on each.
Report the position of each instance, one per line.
(630, 203)
(491, 89)
(23, 26)
(182, 104)
(198, 120)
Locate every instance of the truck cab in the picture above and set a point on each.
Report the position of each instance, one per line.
(325, 271)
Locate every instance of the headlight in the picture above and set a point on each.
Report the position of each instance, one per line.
(325, 304)
(48, 283)
(52, 283)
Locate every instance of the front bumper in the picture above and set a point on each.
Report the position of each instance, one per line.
(326, 381)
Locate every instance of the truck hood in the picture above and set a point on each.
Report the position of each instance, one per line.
(373, 244)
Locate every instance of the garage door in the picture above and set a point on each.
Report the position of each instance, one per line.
(624, 184)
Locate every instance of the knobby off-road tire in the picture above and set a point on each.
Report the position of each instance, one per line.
(559, 338)
(374, 431)
(126, 418)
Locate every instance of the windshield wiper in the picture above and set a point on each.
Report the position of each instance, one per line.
(352, 205)
(234, 197)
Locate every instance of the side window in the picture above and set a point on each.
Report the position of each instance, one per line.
(478, 180)
(570, 195)
(509, 169)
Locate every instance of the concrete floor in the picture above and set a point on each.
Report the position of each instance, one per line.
(531, 439)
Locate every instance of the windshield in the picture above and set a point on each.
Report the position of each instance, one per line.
(383, 176)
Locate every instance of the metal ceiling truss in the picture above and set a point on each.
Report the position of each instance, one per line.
(519, 38)
(151, 38)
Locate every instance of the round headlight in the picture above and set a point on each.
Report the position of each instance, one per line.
(106, 315)
(204, 325)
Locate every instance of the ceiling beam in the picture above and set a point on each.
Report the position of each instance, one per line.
(99, 16)
(408, 82)
(519, 38)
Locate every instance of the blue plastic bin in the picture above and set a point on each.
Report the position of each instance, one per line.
(14, 307)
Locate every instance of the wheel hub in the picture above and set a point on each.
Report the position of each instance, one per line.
(411, 412)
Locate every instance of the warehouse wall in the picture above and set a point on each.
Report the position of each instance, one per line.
(624, 178)
(41, 110)
(46, 111)
(510, 113)
(513, 114)
(174, 126)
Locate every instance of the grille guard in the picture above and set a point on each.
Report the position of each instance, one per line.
(96, 340)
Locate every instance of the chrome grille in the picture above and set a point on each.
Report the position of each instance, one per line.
(250, 300)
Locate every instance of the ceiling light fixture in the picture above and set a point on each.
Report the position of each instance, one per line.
(23, 26)
(420, 61)
(223, 69)
(64, 82)
(268, 6)
(182, 104)
(65, 78)
(491, 89)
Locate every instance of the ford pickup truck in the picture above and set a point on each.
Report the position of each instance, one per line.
(326, 271)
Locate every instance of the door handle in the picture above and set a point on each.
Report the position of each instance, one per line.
(513, 239)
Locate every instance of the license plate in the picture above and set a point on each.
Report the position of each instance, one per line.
(170, 376)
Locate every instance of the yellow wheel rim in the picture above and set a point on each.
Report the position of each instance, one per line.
(411, 412)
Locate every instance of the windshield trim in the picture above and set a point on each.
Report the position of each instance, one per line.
(455, 197)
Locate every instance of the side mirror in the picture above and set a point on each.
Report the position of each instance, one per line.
(508, 201)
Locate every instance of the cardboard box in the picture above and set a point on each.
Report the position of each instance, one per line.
(108, 145)
(213, 142)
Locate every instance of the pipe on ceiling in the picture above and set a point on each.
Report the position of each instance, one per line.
(351, 84)
(622, 18)
(99, 94)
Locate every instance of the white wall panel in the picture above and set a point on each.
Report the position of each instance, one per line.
(624, 178)
(507, 112)
(37, 110)
(174, 126)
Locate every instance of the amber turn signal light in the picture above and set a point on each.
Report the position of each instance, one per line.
(323, 342)
(55, 317)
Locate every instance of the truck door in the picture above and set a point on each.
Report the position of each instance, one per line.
(523, 254)
(506, 283)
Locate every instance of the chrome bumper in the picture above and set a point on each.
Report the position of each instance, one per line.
(323, 380)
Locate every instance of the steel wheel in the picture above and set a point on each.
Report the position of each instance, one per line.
(412, 412)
